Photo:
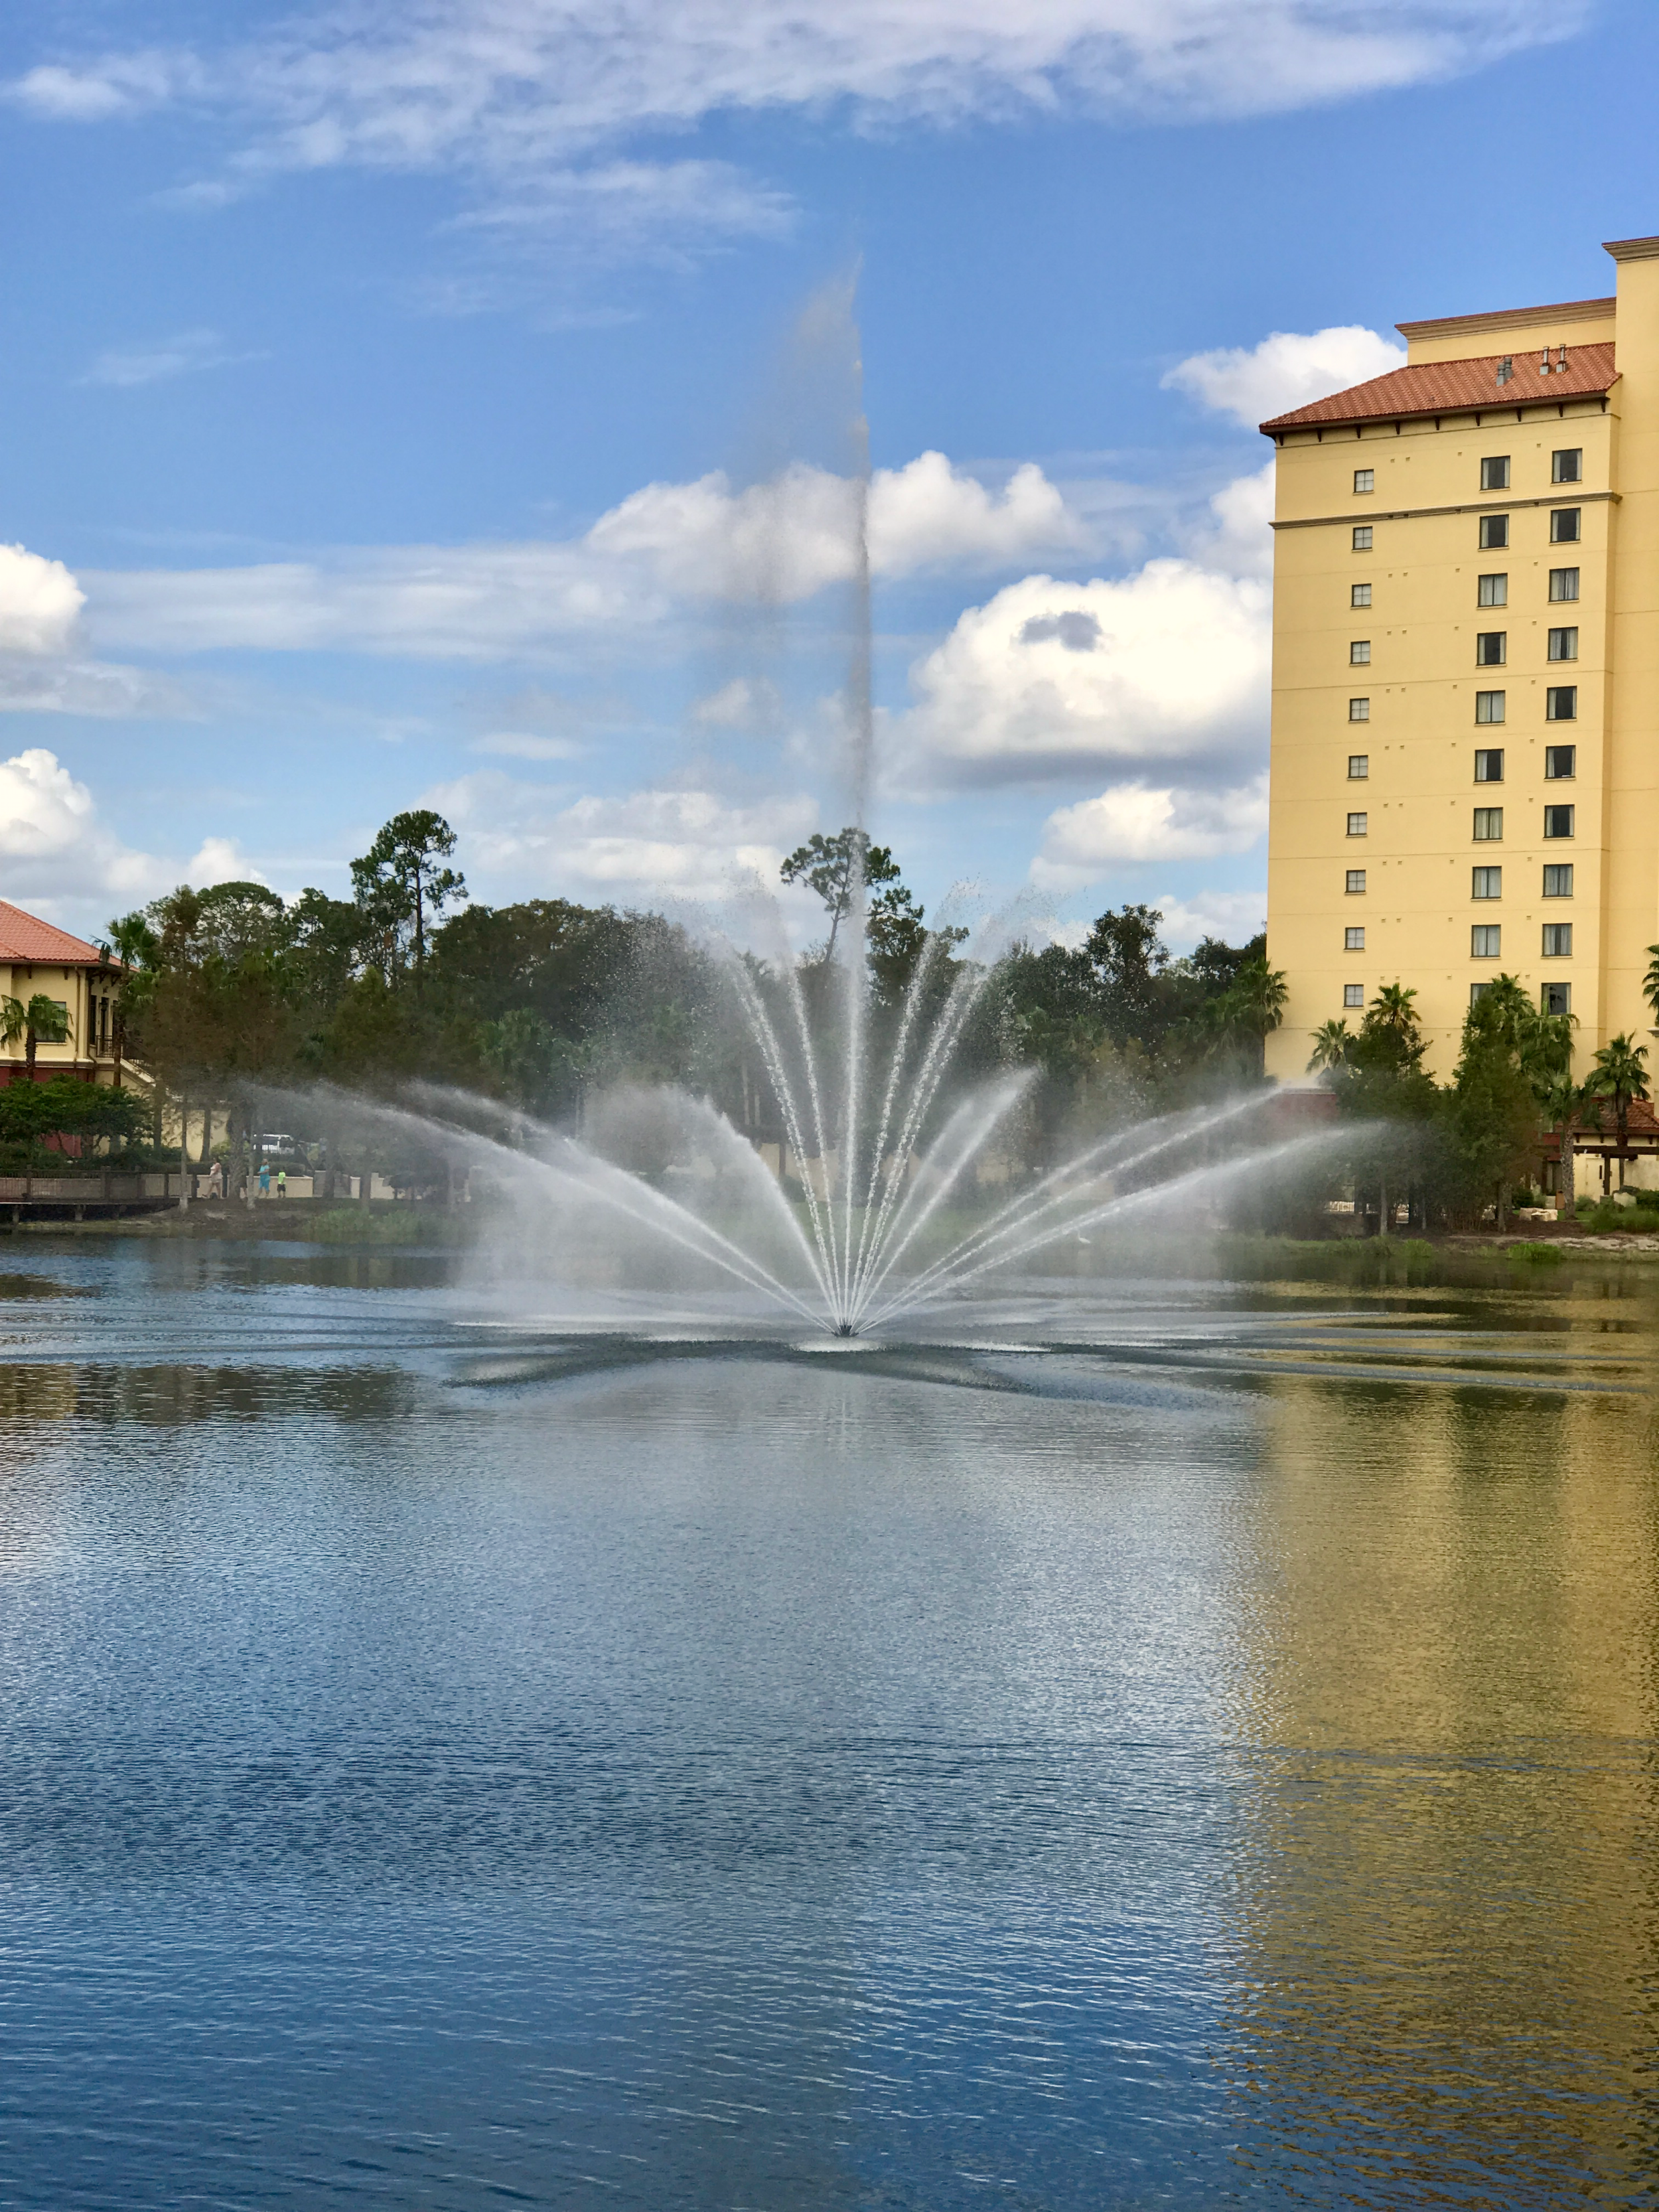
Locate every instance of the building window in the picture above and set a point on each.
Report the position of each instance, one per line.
(1488, 706)
(1360, 596)
(1558, 879)
(1488, 883)
(1356, 825)
(1559, 761)
(1353, 940)
(1561, 702)
(1491, 648)
(1558, 941)
(1362, 538)
(1495, 472)
(1493, 590)
(1494, 533)
(1489, 764)
(1557, 821)
(1356, 880)
(1353, 994)
(1556, 999)
(1484, 941)
(1359, 710)
(1359, 653)
(1564, 583)
(1564, 526)
(1488, 824)
(1564, 644)
(1567, 467)
(1364, 480)
(1478, 990)
(1359, 766)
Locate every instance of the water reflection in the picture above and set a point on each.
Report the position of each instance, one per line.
(1444, 1895)
(1175, 1745)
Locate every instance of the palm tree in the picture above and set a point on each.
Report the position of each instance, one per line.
(1650, 983)
(39, 1017)
(1332, 1047)
(1620, 1074)
(1394, 1011)
(133, 945)
(1253, 1006)
(1565, 1103)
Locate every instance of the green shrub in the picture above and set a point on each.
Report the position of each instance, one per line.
(1537, 1255)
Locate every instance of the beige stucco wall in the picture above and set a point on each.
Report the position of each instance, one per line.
(79, 990)
(1417, 910)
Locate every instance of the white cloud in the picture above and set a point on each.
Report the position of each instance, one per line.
(42, 808)
(664, 210)
(1169, 663)
(50, 838)
(221, 860)
(526, 744)
(645, 844)
(40, 602)
(183, 355)
(40, 605)
(1140, 822)
(120, 85)
(930, 515)
(31, 684)
(61, 858)
(668, 544)
(530, 102)
(508, 84)
(1234, 917)
(1237, 539)
(1287, 370)
(749, 703)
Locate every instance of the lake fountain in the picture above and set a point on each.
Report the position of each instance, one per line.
(879, 1144)
(1164, 1742)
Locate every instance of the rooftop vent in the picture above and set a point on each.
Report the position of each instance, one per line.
(1506, 368)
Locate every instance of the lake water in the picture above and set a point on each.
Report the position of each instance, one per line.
(1169, 1746)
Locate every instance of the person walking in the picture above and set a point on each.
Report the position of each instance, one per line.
(282, 1182)
(216, 1180)
(264, 1178)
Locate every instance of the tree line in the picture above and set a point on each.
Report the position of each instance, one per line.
(226, 992)
(1451, 1152)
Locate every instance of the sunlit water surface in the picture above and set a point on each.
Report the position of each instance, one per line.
(1169, 1744)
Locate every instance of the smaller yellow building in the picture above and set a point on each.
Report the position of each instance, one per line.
(38, 958)
(1465, 757)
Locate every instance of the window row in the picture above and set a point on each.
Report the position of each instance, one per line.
(1560, 705)
(1492, 535)
(1560, 762)
(1492, 646)
(1488, 882)
(1489, 823)
(1560, 700)
(1493, 590)
(1552, 999)
(1485, 940)
(1566, 466)
(1566, 528)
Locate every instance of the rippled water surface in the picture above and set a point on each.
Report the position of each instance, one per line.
(1157, 1747)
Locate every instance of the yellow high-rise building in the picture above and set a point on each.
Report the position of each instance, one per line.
(1464, 768)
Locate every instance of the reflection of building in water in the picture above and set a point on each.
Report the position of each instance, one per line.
(1445, 1907)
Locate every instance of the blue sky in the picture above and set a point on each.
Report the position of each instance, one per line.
(446, 403)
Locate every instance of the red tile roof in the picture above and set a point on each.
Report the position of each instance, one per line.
(25, 938)
(1443, 387)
